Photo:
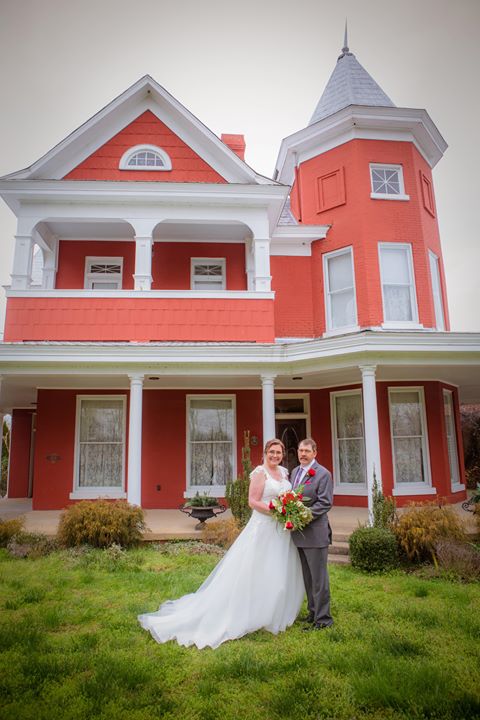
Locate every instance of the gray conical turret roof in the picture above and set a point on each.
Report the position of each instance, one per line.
(349, 84)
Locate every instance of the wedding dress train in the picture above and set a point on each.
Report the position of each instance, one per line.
(257, 584)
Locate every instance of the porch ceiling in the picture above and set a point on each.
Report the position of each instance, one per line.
(20, 390)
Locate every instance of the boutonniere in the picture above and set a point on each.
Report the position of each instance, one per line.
(310, 472)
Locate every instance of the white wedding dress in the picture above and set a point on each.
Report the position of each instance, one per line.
(257, 584)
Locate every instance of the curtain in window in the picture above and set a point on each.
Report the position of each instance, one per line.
(341, 290)
(101, 443)
(350, 439)
(408, 441)
(396, 282)
(451, 436)
(211, 442)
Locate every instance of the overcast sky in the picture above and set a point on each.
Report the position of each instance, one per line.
(256, 67)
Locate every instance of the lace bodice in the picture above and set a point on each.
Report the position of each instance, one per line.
(273, 487)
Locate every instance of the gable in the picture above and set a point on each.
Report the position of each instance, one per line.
(146, 129)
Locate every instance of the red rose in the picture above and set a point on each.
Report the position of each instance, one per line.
(289, 525)
(311, 472)
(284, 512)
(300, 496)
(271, 506)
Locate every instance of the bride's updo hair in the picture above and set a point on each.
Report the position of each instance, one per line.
(269, 444)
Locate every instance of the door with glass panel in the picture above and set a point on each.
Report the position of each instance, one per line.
(292, 424)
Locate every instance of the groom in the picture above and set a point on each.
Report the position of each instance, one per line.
(312, 542)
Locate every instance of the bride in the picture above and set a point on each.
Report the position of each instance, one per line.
(257, 584)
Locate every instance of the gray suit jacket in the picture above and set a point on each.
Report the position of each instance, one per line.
(320, 491)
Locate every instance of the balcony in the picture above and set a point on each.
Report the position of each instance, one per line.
(138, 316)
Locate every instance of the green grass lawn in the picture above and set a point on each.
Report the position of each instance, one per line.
(71, 647)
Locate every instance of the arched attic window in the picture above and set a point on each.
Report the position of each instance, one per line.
(145, 157)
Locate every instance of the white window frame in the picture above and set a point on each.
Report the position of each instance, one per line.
(344, 488)
(418, 488)
(127, 155)
(388, 196)
(328, 305)
(90, 277)
(434, 262)
(393, 324)
(90, 493)
(296, 416)
(213, 490)
(208, 261)
(453, 462)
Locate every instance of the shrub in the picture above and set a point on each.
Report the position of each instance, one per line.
(384, 508)
(101, 523)
(32, 545)
(237, 490)
(373, 549)
(459, 559)
(9, 528)
(221, 532)
(422, 526)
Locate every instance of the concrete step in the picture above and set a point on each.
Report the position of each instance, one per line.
(341, 536)
(338, 548)
(339, 559)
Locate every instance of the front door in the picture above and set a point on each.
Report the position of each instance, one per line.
(290, 432)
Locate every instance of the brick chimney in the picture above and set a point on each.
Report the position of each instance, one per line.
(235, 143)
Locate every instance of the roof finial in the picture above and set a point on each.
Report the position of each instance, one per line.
(345, 49)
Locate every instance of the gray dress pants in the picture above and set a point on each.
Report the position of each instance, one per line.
(317, 585)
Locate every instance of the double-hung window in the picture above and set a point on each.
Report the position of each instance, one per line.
(398, 284)
(340, 301)
(103, 273)
(348, 442)
(451, 432)
(210, 443)
(387, 182)
(436, 290)
(100, 446)
(208, 274)
(409, 441)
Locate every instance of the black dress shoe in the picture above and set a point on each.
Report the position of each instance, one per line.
(307, 618)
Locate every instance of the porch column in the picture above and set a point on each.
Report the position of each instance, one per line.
(134, 493)
(22, 262)
(372, 439)
(50, 262)
(261, 264)
(143, 262)
(268, 406)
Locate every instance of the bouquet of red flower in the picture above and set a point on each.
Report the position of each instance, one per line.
(290, 509)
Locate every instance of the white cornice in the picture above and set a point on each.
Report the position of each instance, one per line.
(377, 347)
(296, 240)
(139, 294)
(360, 122)
(145, 94)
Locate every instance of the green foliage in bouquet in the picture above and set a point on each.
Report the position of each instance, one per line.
(237, 490)
(290, 510)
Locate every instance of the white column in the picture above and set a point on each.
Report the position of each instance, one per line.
(372, 439)
(249, 264)
(261, 264)
(22, 262)
(143, 262)
(50, 264)
(134, 493)
(268, 406)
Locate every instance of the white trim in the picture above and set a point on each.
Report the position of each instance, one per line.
(345, 488)
(127, 155)
(187, 294)
(296, 416)
(90, 277)
(414, 322)
(105, 491)
(341, 331)
(191, 490)
(416, 488)
(402, 325)
(453, 462)
(208, 261)
(327, 293)
(457, 487)
(386, 196)
(439, 311)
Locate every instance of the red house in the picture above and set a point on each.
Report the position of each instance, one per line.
(184, 299)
